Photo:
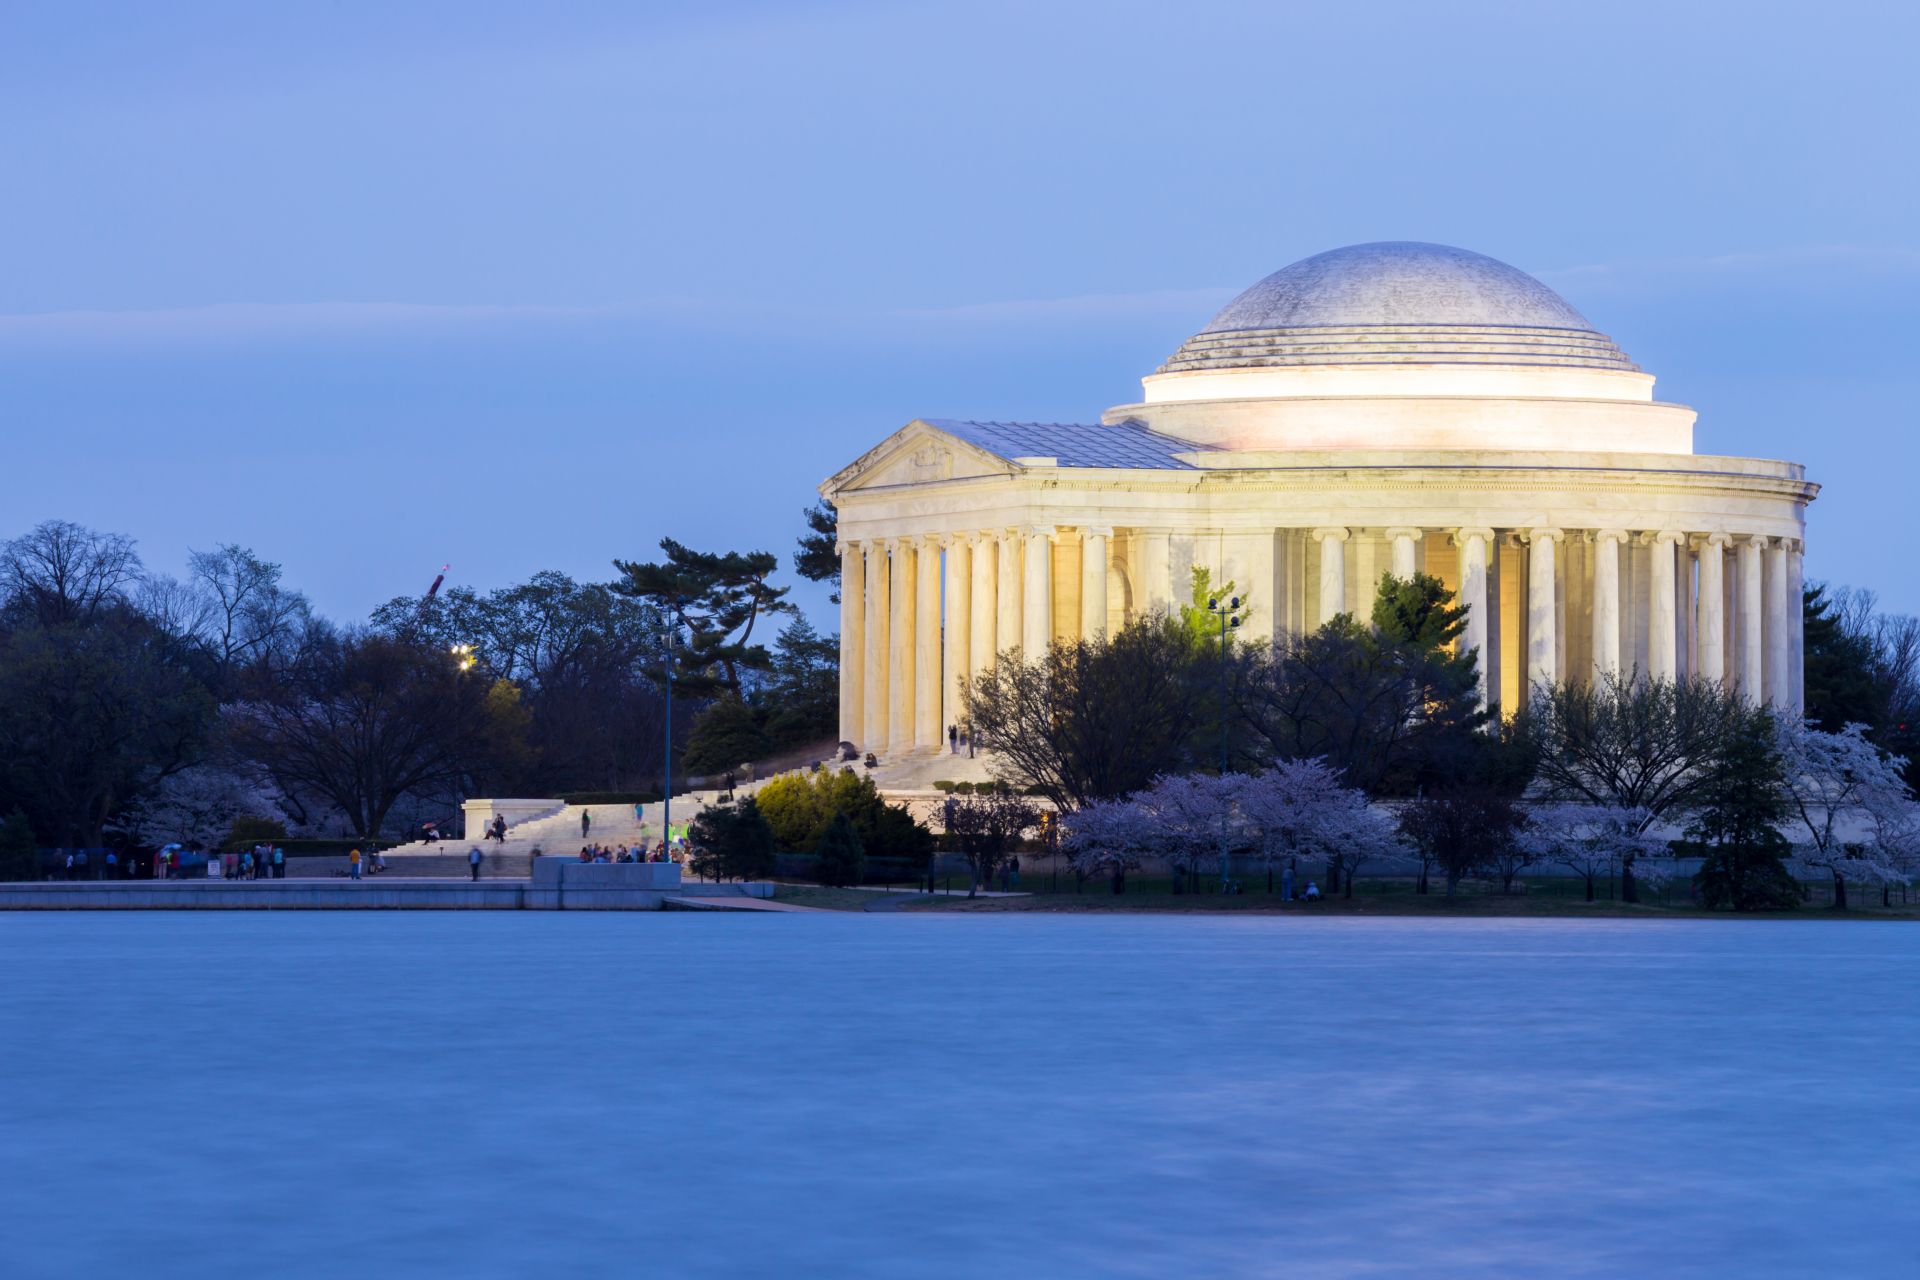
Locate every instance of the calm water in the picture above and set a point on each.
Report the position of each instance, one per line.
(695, 1095)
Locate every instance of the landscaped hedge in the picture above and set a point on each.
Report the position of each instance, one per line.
(612, 797)
(319, 848)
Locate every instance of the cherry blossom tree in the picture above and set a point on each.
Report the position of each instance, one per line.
(1591, 840)
(1194, 814)
(1303, 809)
(1836, 777)
(1110, 838)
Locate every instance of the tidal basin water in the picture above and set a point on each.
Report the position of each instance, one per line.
(502, 1094)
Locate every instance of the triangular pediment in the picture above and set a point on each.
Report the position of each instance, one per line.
(918, 453)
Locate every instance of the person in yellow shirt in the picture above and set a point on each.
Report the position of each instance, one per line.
(353, 864)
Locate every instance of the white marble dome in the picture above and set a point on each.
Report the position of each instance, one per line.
(1397, 302)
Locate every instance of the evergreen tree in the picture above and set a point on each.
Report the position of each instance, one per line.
(815, 557)
(717, 598)
(732, 843)
(725, 736)
(842, 859)
(1841, 688)
(1742, 806)
(802, 692)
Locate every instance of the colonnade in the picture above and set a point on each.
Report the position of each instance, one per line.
(921, 614)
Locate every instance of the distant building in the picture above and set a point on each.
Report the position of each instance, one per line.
(1378, 408)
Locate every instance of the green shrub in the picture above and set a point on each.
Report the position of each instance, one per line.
(944, 784)
(963, 788)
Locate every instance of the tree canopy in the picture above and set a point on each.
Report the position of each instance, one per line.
(718, 597)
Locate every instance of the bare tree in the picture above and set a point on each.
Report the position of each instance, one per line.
(68, 574)
(364, 720)
(1635, 744)
(249, 615)
(1462, 829)
(1092, 719)
(986, 827)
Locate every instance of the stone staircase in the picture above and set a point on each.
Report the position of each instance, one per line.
(915, 773)
(558, 833)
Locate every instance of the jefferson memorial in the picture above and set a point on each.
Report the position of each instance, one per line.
(1380, 408)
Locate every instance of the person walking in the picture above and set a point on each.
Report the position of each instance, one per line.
(473, 861)
(353, 864)
(729, 784)
(586, 822)
(953, 739)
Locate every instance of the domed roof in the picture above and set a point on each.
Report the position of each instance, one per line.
(1398, 302)
(1397, 282)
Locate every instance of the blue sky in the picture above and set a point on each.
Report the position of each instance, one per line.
(374, 287)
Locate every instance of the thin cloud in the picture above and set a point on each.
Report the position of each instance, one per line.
(240, 321)
(1797, 261)
(1091, 306)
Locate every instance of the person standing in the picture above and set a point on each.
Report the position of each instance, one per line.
(473, 861)
(279, 863)
(353, 864)
(586, 822)
(953, 739)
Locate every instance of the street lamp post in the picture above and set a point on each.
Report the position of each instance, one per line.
(1229, 621)
(666, 756)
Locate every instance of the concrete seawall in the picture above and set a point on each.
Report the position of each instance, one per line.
(565, 890)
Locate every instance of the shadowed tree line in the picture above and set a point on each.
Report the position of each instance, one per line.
(1389, 708)
(137, 707)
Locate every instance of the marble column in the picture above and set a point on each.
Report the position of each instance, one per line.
(1093, 581)
(1333, 573)
(1796, 631)
(900, 628)
(1543, 636)
(1007, 626)
(1405, 558)
(1663, 629)
(1036, 602)
(954, 664)
(1606, 602)
(1752, 668)
(853, 603)
(980, 645)
(1473, 544)
(873, 700)
(1779, 680)
(1710, 610)
(1155, 588)
(928, 731)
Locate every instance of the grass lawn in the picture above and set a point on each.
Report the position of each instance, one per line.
(813, 895)
(1551, 897)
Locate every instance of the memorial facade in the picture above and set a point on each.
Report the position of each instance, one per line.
(1382, 408)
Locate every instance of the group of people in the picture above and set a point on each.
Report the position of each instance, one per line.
(661, 852)
(263, 861)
